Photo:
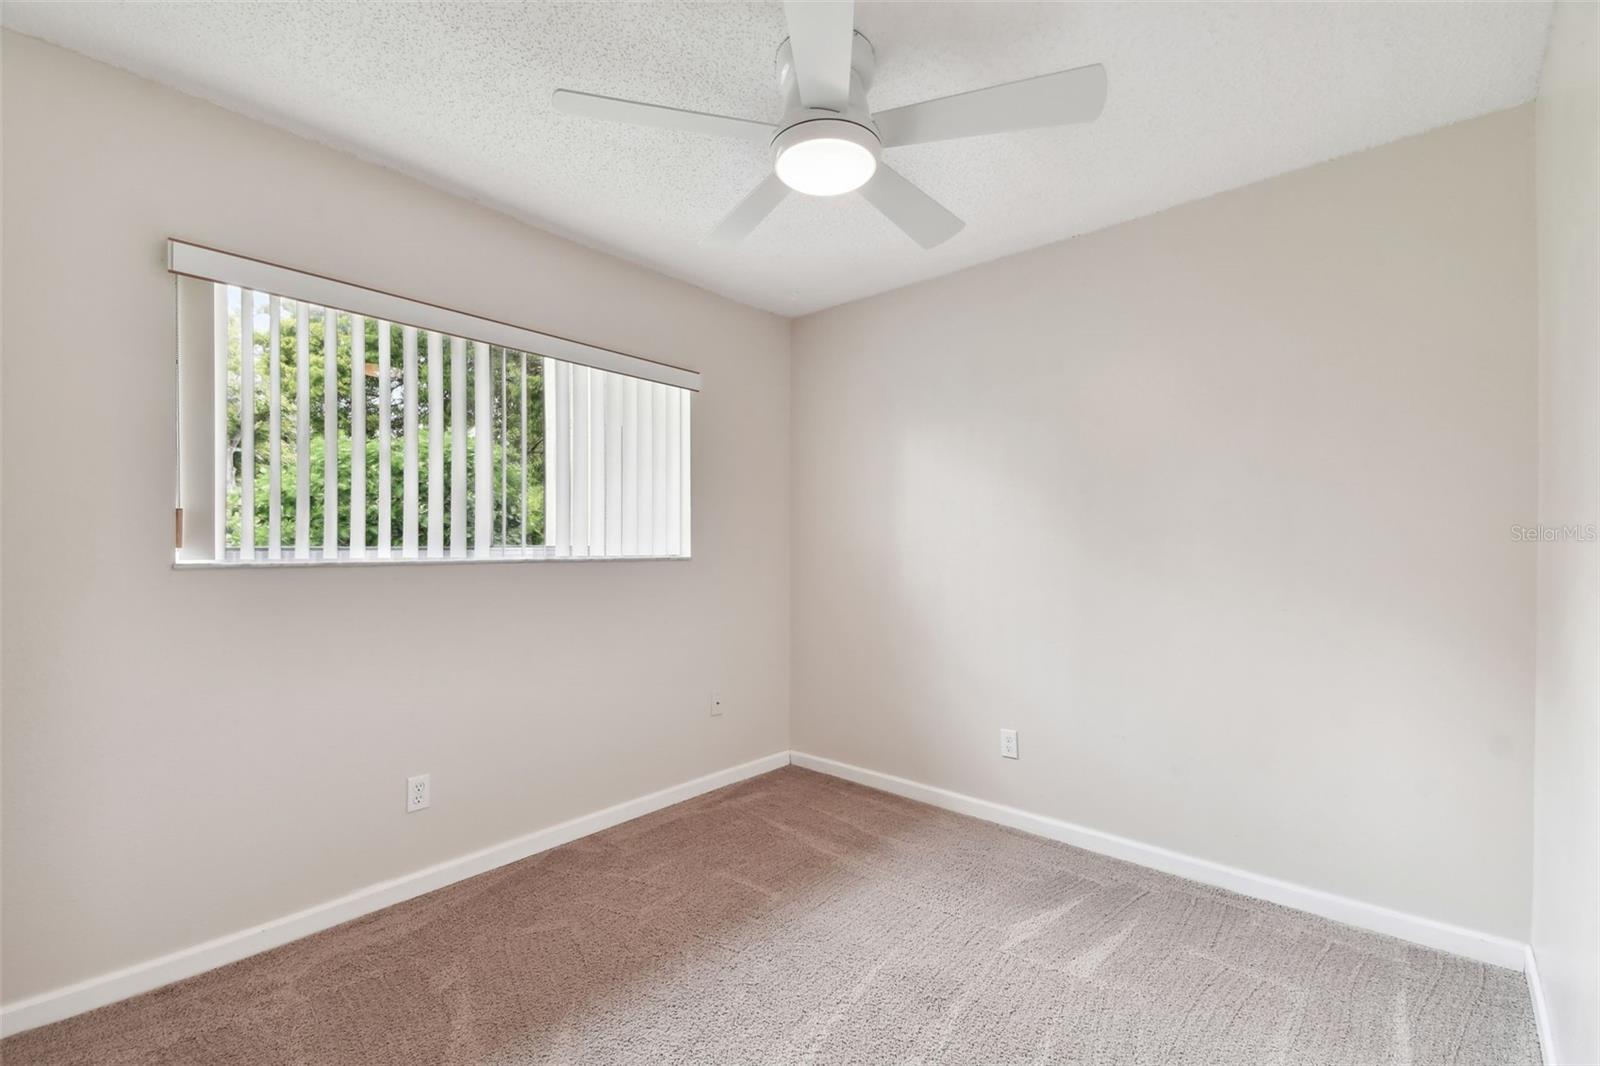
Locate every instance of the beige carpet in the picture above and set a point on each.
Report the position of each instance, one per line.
(797, 918)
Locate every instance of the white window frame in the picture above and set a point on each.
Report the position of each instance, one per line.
(202, 399)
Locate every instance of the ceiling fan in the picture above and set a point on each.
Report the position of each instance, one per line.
(828, 141)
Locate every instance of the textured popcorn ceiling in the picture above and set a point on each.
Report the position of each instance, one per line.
(1203, 97)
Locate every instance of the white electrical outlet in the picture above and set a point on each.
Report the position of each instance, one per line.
(1008, 743)
(416, 793)
(716, 705)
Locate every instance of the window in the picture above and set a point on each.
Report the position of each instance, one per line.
(320, 422)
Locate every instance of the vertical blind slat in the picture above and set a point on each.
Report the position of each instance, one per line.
(552, 457)
(663, 395)
(408, 430)
(556, 527)
(557, 410)
(578, 500)
(247, 424)
(482, 451)
(684, 492)
(274, 429)
(435, 446)
(599, 415)
(302, 430)
(613, 451)
(563, 436)
(523, 525)
(505, 410)
(330, 434)
(221, 460)
(630, 466)
(658, 476)
(385, 395)
(458, 447)
(674, 463)
(358, 437)
(647, 469)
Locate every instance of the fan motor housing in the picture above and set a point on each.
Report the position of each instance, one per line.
(863, 62)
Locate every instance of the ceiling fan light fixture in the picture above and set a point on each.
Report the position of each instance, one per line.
(829, 139)
(825, 156)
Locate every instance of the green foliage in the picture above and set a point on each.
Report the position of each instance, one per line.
(518, 512)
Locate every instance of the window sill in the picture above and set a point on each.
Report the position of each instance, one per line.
(372, 561)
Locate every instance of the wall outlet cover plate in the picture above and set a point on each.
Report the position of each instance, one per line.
(418, 788)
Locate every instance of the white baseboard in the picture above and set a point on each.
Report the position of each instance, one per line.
(1484, 947)
(142, 977)
(108, 988)
(1541, 1010)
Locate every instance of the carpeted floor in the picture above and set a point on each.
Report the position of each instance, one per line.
(797, 918)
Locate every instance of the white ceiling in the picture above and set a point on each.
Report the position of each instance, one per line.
(1203, 97)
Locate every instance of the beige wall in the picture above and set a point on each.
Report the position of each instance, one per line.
(1214, 508)
(1566, 884)
(186, 754)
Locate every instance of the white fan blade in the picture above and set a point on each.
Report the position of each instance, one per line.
(751, 210)
(1076, 95)
(922, 217)
(821, 35)
(614, 110)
